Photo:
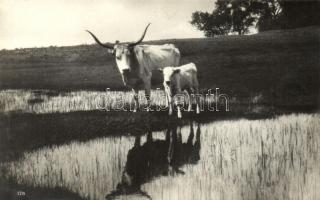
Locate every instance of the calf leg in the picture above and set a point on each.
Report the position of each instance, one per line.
(179, 111)
(197, 100)
(135, 98)
(190, 95)
(196, 88)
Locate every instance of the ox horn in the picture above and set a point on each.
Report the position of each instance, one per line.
(109, 46)
(142, 37)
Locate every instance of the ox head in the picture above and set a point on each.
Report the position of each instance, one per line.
(123, 52)
(168, 73)
(126, 187)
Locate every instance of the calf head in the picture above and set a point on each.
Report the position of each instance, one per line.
(168, 73)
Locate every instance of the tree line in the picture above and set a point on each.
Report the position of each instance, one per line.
(239, 16)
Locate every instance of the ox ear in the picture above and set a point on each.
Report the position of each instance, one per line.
(111, 51)
(160, 70)
(176, 71)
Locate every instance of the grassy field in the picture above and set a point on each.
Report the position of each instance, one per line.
(281, 66)
(274, 158)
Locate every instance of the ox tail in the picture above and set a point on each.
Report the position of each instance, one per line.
(177, 56)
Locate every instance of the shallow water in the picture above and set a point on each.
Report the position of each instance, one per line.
(239, 159)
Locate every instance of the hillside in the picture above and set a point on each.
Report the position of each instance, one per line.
(282, 66)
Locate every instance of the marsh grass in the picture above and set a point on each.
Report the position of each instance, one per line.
(33, 101)
(240, 159)
(49, 101)
(260, 159)
(89, 169)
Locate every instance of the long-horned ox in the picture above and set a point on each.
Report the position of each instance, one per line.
(136, 62)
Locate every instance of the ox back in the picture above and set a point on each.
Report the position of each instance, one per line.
(151, 58)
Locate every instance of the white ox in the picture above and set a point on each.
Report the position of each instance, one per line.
(136, 62)
(178, 79)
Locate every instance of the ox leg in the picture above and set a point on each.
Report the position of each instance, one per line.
(166, 93)
(135, 98)
(169, 98)
(147, 93)
(170, 106)
(178, 106)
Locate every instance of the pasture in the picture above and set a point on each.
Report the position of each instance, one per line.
(63, 136)
(282, 66)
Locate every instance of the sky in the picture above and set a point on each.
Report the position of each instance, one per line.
(40, 23)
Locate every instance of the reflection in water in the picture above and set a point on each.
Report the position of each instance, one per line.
(241, 159)
(155, 158)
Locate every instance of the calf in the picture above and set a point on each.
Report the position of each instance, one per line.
(178, 79)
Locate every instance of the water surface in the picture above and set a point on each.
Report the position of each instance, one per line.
(231, 159)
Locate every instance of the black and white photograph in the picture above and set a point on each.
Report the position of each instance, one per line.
(159, 99)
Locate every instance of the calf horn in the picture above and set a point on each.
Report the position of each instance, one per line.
(98, 42)
(142, 37)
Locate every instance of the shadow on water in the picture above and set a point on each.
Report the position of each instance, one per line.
(157, 158)
(26, 132)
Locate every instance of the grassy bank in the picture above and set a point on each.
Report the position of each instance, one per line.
(281, 66)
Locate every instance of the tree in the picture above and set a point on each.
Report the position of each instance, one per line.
(229, 16)
(269, 15)
(300, 13)
(238, 16)
(211, 24)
